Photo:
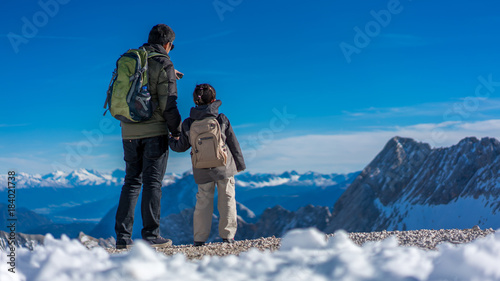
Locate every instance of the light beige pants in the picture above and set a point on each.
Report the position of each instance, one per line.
(226, 203)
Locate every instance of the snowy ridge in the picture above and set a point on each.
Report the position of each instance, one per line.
(289, 178)
(80, 177)
(464, 211)
(62, 179)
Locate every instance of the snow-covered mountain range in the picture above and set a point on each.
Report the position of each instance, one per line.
(410, 186)
(85, 177)
(86, 199)
(88, 195)
(76, 178)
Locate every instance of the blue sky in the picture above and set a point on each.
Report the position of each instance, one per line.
(297, 97)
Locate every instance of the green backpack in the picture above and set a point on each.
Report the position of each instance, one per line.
(128, 98)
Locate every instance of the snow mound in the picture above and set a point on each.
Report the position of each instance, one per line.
(303, 239)
(305, 255)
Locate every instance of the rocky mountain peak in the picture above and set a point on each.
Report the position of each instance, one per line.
(407, 173)
(391, 170)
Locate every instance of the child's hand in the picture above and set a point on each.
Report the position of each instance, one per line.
(172, 137)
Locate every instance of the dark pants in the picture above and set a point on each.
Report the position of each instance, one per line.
(146, 162)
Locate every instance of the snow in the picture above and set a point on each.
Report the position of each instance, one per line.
(256, 181)
(463, 212)
(271, 182)
(305, 255)
(303, 239)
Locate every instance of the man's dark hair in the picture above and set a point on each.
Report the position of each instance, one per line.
(161, 34)
(203, 94)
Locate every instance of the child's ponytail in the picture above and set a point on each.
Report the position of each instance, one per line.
(203, 94)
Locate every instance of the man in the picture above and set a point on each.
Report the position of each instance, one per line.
(145, 145)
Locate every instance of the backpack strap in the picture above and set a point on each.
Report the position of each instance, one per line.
(219, 119)
(107, 103)
(156, 54)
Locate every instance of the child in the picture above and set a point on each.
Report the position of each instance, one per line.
(211, 166)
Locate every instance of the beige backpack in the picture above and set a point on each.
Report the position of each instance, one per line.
(208, 149)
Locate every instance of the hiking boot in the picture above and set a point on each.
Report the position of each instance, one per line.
(198, 244)
(124, 243)
(229, 241)
(159, 242)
